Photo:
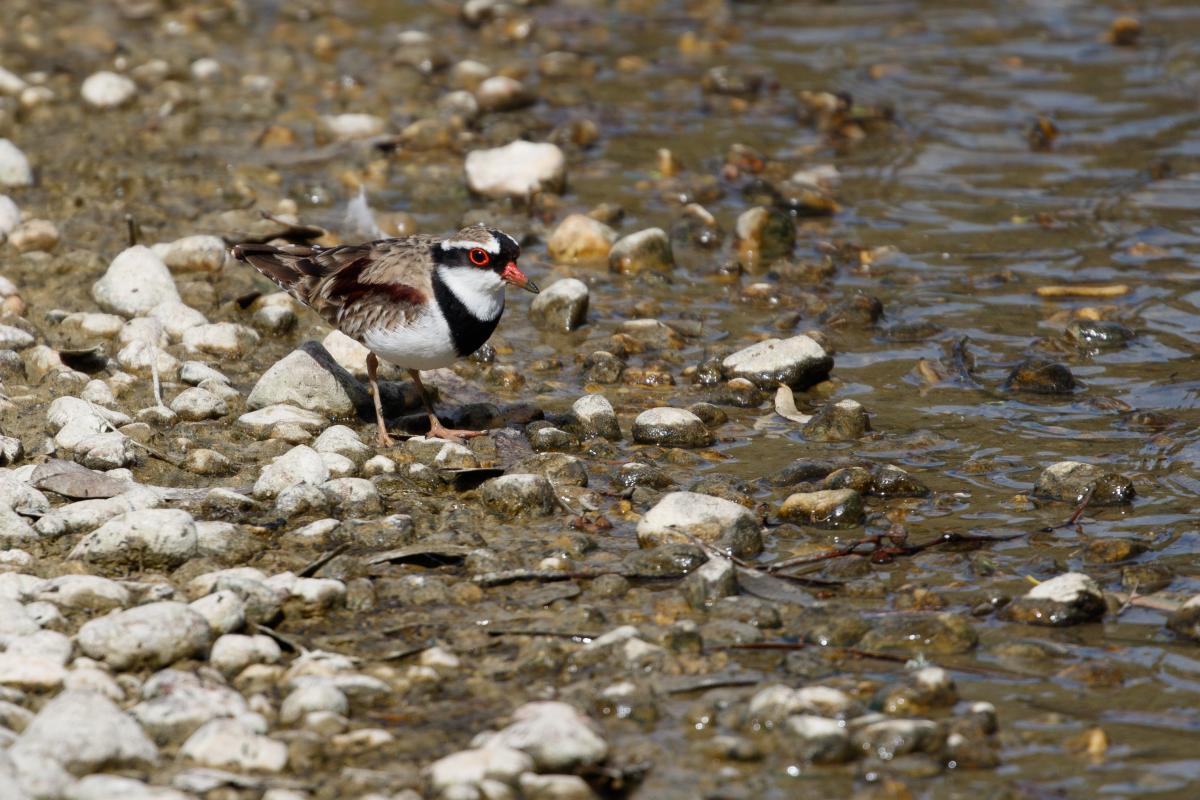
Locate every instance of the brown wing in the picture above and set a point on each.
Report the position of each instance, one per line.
(354, 287)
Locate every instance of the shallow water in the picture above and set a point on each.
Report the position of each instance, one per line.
(971, 220)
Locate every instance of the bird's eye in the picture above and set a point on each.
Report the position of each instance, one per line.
(478, 256)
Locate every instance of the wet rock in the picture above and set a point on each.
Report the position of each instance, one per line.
(519, 495)
(559, 468)
(708, 584)
(477, 768)
(502, 93)
(594, 416)
(818, 740)
(107, 90)
(842, 421)
(34, 235)
(891, 481)
(233, 744)
(764, 234)
(1040, 376)
(1112, 551)
(299, 465)
(1068, 599)
(603, 367)
(203, 461)
(175, 703)
(196, 404)
(712, 520)
(638, 474)
(136, 281)
(928, 634)
(670, 427)
(153, 537)
(891, 738)
(1098, 333)
(315, 694)
(193, 254)
(558, 737)
(309, 378)
(1071, 481)
(152, 635)
(648, 249)
(83, 732)
(516, 170)
(581, 239)
(560, 307)
(220, 339)
(798, 362)
(14, 166)
(828, 508)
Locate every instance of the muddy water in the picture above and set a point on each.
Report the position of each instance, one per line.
(963, 218)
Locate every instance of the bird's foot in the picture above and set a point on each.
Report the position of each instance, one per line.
(439, 431)
(383, 440)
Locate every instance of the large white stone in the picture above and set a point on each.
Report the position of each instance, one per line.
(86, 515)
(797, 361)
(136, 281)
(85, 731)
(556, 735)
(14, 166)
(152, 635)
(193, 254)
(299, 465)
(176, 703)
(231, 744)
(703, 516)
(310, 379)
(516, 170)
(152, 536)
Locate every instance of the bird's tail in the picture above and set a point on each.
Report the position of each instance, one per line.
(292, 268)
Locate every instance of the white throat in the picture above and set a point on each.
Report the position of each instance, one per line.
(480, 290)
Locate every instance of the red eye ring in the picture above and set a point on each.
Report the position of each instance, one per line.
(479, 257)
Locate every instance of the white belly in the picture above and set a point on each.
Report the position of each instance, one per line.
(425, 343)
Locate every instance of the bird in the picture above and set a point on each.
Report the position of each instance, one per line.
(419, 302)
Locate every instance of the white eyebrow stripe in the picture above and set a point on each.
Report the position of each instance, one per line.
(492, 247)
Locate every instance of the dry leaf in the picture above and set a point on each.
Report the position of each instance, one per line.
(785, 406)
(1110, 290)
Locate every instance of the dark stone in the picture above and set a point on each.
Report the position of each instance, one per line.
(1040, 376)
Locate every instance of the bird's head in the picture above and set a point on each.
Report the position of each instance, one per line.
(490, 256)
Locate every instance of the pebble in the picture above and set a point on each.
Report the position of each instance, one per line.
(764, 234)
(107, 90)
(828, 508)
(353, 497)
(266, 419)
(39, 235)
(492, 764)
(155, 537)
(309, 378)
(580, 239)
(314, 694)
(594, 416)
(516, 170)
(351, 127)
(345, 442)
(560, 307)
(196, 404)
(554, 787)
(818, 740)
(670, 427)
(83, 731)
(1068, 599)
(22, 498)
(558, 737)
(891, 738)
(703, 587)
(1099, 333)
(136, 281)
(925, 634)
(648, 249)
(233, 652)
(153, 635)
(519, 495)
(232, 744)
(220, 339)
(202, 461)
(107, 787)
(502, 93)
(176, 703)
(712, 520)
(199, 253)
(1071, 481)
(14, 166)
(12, 338)
(11, 84)
(798, 362)
(91, 514)
(10, 217)
(559, 468)
(299, 465)
(225, 611)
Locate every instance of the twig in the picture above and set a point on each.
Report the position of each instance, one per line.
(514, 575)
(155, 383)
(284, 639)
(886, 547)
(174, 462)
(579, 637)
(1133, 599)
(312, 568)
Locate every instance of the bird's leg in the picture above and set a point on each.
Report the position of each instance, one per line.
(436, 429)
(382, 439)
